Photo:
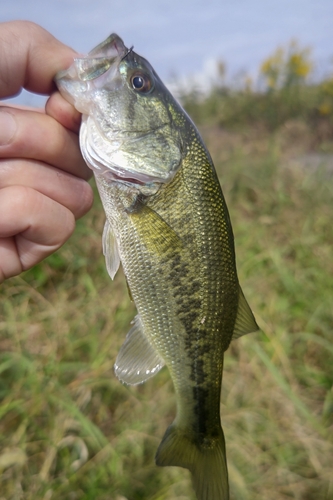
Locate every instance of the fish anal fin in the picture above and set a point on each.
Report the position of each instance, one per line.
(110, 250)
(245, 321)
(137, 360)
(206, 460)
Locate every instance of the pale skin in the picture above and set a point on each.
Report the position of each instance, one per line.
(43, 178)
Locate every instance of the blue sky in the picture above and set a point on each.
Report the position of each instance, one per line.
(183, 37)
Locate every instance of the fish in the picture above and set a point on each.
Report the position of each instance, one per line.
(168, 225)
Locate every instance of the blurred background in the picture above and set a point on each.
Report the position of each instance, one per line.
(257, 79)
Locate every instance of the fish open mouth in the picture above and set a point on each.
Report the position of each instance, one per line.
(113, 44)
(98, 61)
(89, 72)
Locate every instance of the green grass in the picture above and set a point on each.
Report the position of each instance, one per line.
(70, 430)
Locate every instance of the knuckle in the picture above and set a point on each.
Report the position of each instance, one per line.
(8, 127)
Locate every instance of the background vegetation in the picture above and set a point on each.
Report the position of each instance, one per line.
(69, 430)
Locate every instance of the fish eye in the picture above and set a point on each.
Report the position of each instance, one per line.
(141, 82)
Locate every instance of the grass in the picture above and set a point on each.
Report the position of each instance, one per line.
(69, 430)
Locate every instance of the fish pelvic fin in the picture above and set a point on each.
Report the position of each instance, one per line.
(205, 460)
(137, 360)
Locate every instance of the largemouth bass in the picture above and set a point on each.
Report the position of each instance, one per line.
(168, 225)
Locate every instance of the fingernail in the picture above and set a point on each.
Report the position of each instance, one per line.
(7, 127)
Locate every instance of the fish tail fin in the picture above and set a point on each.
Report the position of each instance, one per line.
(206, 461)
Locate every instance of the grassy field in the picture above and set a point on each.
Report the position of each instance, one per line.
(70, 430)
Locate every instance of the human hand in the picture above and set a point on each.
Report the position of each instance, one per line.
(43, 178)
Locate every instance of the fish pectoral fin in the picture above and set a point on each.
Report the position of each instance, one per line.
(245, 321)
(110, 250)
(137, 360)
(154, 231)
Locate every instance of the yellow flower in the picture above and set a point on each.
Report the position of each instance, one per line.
(325, 108)
(286, 67)
(298, 65)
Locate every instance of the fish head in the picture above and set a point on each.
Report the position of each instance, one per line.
(129, 132)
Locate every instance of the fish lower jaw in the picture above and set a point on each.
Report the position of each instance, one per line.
(142, 186)
(115, 173)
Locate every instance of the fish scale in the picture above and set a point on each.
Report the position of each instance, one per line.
(168, 224)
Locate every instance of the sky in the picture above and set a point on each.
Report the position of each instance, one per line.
(184, 38)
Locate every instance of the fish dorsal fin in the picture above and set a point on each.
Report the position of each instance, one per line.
(137, 360)
(245, 322)
(110, 250)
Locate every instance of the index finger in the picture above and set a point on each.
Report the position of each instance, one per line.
(29, 58)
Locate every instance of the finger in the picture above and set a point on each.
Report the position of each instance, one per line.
(30, 57)
(73, 193)
(21, 106)
(27, 134)
(10, 263)
(62, 111)
(36, 224)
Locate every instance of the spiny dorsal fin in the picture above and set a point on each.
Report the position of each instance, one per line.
(245, 321)
(137, 360)
(110, 250)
